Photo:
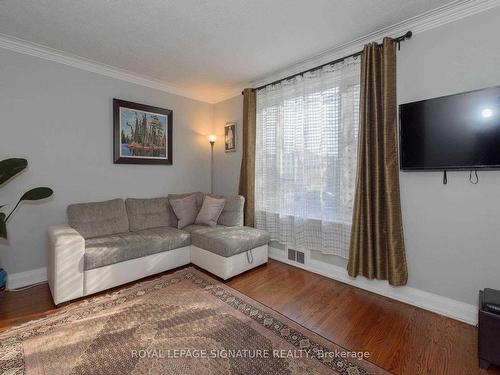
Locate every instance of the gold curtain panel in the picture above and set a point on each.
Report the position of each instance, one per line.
(377, 246)
(247, 174)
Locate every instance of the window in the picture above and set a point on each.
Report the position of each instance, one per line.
(306, 150)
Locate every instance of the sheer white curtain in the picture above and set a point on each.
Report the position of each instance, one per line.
(305, 162)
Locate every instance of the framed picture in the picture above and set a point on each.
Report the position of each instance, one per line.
(142, 134)
(230, 137)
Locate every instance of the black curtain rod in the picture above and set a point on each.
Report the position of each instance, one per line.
(398, 40)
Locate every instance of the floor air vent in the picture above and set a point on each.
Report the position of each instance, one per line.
(296, 256)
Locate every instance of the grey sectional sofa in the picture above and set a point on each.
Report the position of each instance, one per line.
(110, 243)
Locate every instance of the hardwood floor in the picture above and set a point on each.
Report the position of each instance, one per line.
(400, 338)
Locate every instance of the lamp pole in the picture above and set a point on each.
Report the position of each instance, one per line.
(211, 139)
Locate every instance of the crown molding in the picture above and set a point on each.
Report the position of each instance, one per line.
(440, 16)
(230, 94)
(50, 54)
(450, 12)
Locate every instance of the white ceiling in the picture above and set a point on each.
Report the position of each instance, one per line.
(209, 48)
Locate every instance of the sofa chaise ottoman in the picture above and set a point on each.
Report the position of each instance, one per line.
(106, 244)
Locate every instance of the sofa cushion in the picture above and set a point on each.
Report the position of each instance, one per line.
(150, 213)
(195, 228)
(210, 211)
(103, 251)
(98, 219)
(185, 210)
(232, 214)
(229, 241)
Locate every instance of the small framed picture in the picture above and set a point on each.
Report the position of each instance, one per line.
(230, 137)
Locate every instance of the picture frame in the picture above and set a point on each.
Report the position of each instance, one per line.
(142, 134)
(230, 137)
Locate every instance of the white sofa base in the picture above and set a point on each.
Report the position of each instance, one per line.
(228, 267)
(68, 280)
(65, 263)
(107, 277)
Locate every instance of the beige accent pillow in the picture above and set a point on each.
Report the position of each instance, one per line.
(210, 211)
(185, 209)
(199, 197)
(232, 214)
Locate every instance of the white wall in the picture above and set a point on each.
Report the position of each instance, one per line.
(227, 164)
(60, 119)
(452, 232)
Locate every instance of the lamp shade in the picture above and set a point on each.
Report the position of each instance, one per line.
(212, 138)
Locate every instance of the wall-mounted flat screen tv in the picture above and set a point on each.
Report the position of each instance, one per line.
(459, 131)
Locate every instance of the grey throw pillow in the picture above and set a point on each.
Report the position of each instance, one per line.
(210, 211)
(185, 209)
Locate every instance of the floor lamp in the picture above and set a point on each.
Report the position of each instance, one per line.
(211, 139)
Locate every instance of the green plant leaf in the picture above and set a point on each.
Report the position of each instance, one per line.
(3, 226)
(10, 167)
(37, 194)
(32, 195)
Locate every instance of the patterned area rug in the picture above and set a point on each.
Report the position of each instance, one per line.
(182, 323)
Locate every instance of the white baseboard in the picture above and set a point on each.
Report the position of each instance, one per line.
(20, 279)
(461, 311)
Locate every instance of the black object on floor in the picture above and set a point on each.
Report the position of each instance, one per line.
(489, 328)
